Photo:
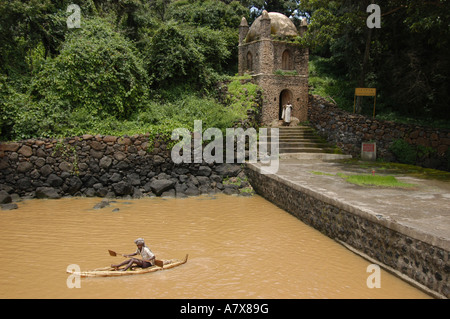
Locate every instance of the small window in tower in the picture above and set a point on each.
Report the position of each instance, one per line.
(249, 61)
(287, 61)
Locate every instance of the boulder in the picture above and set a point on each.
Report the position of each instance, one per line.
(204, 171)
(9, 206)
(54, 180)
(5, 198)
(25, 151)
(134, 179)
(123, 189)
(161, 185)
(47, 192)
(102, 204)
(192, 191)
(73, 185)
(228, 170)
(23, 167)
(105, 162)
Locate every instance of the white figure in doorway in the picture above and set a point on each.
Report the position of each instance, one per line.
(286, 115)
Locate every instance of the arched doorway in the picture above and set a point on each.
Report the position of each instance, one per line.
(285, 98)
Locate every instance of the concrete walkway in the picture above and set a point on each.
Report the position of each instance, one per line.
(422, 212)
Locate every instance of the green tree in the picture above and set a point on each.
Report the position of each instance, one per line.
(179, 54)
(407, 59)
(98, 72)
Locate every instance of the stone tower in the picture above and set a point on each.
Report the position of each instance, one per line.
(276, 63)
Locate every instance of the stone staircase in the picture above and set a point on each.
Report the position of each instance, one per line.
(302, 142)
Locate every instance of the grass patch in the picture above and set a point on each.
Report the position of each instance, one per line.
(375, 180)
(321, 173)
(399, 168)
(368, 180)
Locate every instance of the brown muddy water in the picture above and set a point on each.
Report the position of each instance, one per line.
(239, 247)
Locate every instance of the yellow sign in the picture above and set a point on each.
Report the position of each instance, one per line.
(365, 92)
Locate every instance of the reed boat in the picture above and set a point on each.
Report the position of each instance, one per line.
(113, 272)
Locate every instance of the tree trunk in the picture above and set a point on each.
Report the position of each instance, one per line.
(362, 75)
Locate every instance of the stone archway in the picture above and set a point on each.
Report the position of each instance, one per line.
(285, 97)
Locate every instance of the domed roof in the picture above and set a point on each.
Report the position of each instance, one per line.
(280, 26)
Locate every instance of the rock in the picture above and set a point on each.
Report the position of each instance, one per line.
(101, 192)
(98, 146)
(230, 191)
(102, 204)
(90, 192)
(4, 164)
(276, 123)
(203, 180)
(47, 192)
(25, 151)
(105, 162)
(5, 198)
(96, 154)
(162, 176)
(137, 193)
(24, 167)
(181, 170)
(147, 188)
(119, 156)
(170, 193)
(73, 185)
(123, 189)
(180, 188)
(157, 160)
(10, 147)
(228, 170)
(134, 179)
(294, 121)
(216, 178)
(115, 210)
(9, 206)
(54, 181)
(46, 170)
(116, 177)
(192, 191)
(24, 184)
(204, 171)
(65, 167)
(161, 185)
(110, 139)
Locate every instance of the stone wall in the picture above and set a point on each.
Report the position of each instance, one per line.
(108, 166)
(423, 262)
(273, 86)
(349, 130)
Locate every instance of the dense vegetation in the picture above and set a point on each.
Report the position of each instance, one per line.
(139, 66)
(132, 67)
(406, 59)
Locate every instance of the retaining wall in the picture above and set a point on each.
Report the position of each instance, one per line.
(420, 261)
(349, 130)
(107, 166)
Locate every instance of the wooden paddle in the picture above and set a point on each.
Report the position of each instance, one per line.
(158, 263)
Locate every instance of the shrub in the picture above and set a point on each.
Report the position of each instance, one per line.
(98, 70)
(404, 152)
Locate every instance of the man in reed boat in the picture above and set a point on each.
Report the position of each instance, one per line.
(148, 258)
